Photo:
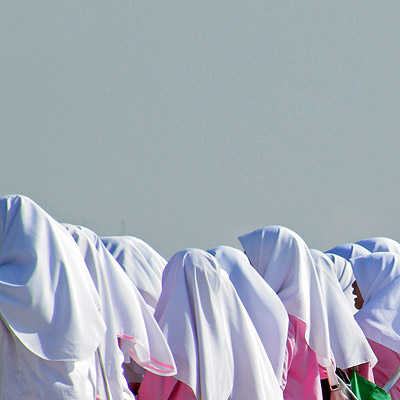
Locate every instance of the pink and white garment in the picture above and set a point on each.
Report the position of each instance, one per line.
(215, 345)
(263, 305)
(142, 264)
(349, 250)
(301, 369)
(348, 342)
(378, 278)
(126, 315)
(388, 362)
(51, 325)
(380, 244)
(283, 259)
(344, 273)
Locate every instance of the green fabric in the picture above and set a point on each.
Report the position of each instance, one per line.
(366, 390)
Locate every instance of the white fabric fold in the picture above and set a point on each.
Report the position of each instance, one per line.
(348, 342)
(344, 273)
(216, 347)
(126, 314)
(263, 305)
(349, 250)
(380, 244)
(47, 297)
(283, 259)
(378, 278)
(142, 264)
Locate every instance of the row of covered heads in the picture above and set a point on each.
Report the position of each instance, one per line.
(84, 317)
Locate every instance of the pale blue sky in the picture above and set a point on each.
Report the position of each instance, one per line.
(189, 123)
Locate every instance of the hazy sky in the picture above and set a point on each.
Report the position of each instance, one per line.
(188, 123)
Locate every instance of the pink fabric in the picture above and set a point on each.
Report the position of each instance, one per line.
(364, 370)
(164, 388)
(322, 370)
(388, 362)
(165, 366)
(301, 371)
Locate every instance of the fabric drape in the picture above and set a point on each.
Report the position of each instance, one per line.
(215, 345)
(380, 244)
(263, 305)
(283, 259)
(47, 297)
(125, 313)
(142, 264)
(378, 277)
(348, 342)
(349, 250)
(344, 273)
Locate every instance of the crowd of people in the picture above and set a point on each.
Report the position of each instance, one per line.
(85, 317)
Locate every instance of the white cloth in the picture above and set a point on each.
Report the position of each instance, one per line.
(216, 347)
(263, 305)
(125, 313)
(283, 259)
(24, 375)
(47, 297)
(378, 278)
(349, 250)
(143, 265)
(380, 244)
(348, 342)
(344, 273)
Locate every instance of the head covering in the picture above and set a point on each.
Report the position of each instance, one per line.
(349, 250)
(380, 244)
(348, 342)
(47, 297)
(143, 265)
(124, 310)
(378, 278)
(344, 273)
(216, 347)
(283, 259)
(263, 305)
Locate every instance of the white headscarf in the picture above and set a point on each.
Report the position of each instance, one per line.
(143, 265)
(47, 297)
(344, 273)
(378, 278)
(125, 312)
(216, 347)
(349, 250)
(348, 342)
(380, 244)
(283, 259)
(263, 305)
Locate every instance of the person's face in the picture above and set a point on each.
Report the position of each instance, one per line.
(358, 301)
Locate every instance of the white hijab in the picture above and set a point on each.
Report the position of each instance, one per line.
(344, 273)
(380, 244)
(263, 305)
(216, 348)
(283, 259)
(125, 312)
(349, 250)
(378, 277)
(47, 297)
(348, 342)
(143, 265)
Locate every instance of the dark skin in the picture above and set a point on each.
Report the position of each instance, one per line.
(359, 300)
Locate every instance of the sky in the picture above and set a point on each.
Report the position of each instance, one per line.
(187, 124)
